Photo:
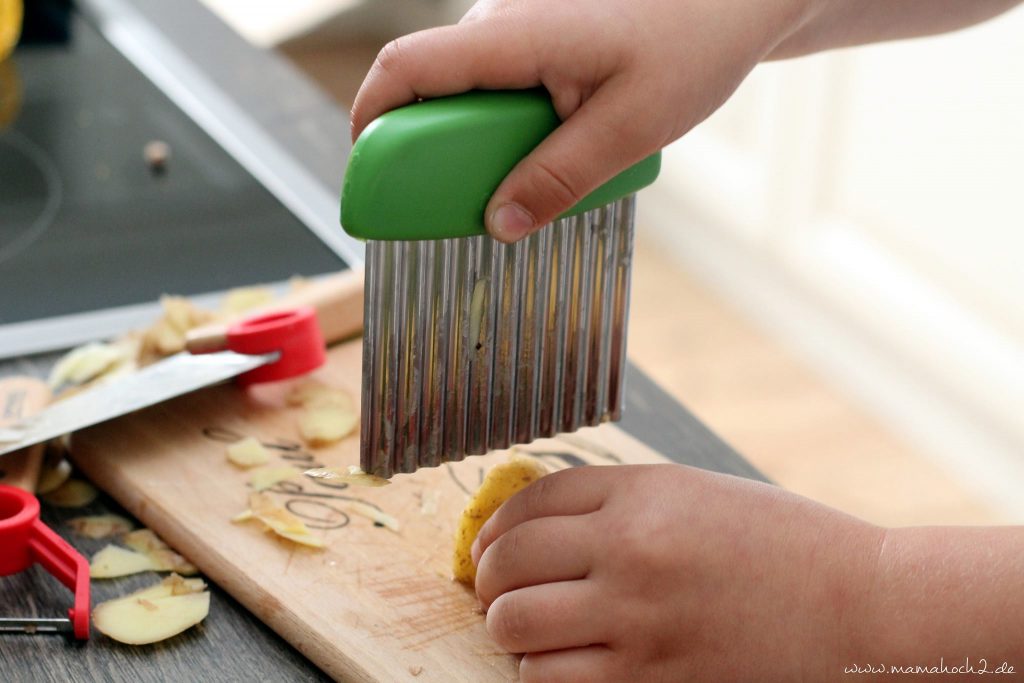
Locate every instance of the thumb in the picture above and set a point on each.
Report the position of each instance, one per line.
(595, 143)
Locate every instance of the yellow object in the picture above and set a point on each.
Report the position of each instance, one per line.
(10, 92)
(500, 484)
(11, 15)
(155, 613)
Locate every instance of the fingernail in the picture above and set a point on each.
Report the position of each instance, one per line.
(474, 551)
(510, 222)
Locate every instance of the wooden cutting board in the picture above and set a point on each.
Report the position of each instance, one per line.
(374, 605)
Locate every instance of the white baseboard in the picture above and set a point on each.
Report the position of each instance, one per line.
(985, 458)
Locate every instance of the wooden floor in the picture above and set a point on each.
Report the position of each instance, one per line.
(772, 408)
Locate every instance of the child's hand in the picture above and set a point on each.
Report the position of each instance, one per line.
(668, 573)
(626, 76)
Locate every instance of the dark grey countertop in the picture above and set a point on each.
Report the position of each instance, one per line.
(231, 644)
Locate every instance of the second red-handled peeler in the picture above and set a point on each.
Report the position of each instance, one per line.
(24, 541)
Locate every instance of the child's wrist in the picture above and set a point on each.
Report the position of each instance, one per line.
(847, 624)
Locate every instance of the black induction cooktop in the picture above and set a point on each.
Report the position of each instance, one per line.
(111, 195)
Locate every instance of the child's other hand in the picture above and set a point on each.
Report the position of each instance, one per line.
(626, 76)
(668, 573)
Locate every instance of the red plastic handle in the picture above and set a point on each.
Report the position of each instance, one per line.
(25, 540)
(295, 334)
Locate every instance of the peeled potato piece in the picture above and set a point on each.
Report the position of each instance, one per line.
(248, 452)
(324, 425)
(115, 561)
(378, 516)
(100, 526)
(73, 493)
(500, 484)
(155, 613)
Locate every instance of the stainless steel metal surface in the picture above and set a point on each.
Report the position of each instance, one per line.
(172, 377)
(33, 626)
(472, 345)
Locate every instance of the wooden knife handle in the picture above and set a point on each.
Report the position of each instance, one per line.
(21, 397)
(338, 300)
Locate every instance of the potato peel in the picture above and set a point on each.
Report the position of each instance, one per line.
(242, 299)
(89, 362)
(265, 477)
(350, 475)
(378, 516)
(163, 557)
(324, 425)
(248, 452)
(100, 526)
(313, 394)
(278, 520)
(145, 552)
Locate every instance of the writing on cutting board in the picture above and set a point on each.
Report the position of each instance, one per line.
(314, 500)
(317, 501)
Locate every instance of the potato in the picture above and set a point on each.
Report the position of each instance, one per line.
(324, 425)
(155, 613)
(248, 452)
(500, 484)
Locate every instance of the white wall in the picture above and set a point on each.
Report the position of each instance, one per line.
(876, 193)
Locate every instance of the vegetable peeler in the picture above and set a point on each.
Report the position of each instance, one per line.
(24, 541)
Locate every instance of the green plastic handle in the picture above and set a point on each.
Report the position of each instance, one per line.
(427, 170)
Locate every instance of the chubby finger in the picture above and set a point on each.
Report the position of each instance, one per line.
(575, 665)
(596, 142)
(538, 551)
(576, 491)
(552, 616)
(444, 61)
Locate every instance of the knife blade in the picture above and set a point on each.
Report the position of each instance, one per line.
(174, 376)
(338, 304)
